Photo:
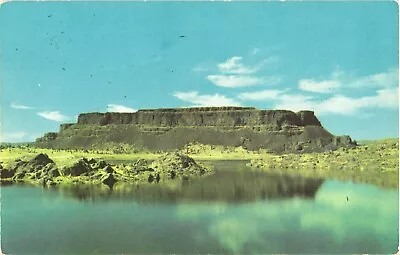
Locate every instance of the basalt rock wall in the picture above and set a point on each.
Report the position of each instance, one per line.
(279, 131)
(223, 116)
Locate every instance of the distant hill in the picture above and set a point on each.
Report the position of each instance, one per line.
(366, 142)
(14, 145)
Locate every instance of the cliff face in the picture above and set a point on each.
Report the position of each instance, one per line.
(220, 117)
(168, 129)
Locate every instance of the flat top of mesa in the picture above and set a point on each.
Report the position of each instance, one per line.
(173, 128)
(199, 109)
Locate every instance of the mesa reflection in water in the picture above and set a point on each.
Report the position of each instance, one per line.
(223, 186)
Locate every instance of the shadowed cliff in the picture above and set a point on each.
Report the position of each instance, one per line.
(168, 129)
(207, 116)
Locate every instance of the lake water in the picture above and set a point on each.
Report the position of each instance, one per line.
(243, 212)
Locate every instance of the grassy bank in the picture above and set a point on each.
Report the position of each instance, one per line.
(196, 151)
(375, 163)
(65, 157)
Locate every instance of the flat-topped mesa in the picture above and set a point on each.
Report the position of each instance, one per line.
(278, 131)
(206, 116)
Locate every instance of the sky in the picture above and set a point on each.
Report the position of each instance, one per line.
(60, 59)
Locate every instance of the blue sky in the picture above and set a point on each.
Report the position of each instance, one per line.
(59, 59)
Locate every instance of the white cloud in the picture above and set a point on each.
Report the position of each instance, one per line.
(295, 102)
(13, 137)
(234, 74)
(340, 104)
(340, 79)
(384, 98)
(234, 66)
(20, 106)
(260, 95)
(54, 115)
(205, 100)
(119, 108)
(234, 81)
(327, 86)
(386, 79)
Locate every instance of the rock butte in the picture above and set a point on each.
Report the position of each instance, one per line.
(278, 131)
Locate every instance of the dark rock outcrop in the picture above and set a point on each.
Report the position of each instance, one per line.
(78, 168)
(6, 173)
(278, 131)
(207, 116)
(53, 173)
(307, 118)
(40, 159)
(41, 169)
(65, 126)
(36, 168)
(49, 137)
(109, 180)
(176, 165)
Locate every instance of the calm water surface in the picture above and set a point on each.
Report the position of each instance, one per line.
(232, 212)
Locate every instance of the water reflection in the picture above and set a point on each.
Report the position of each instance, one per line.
(343, 218)
(223, 186)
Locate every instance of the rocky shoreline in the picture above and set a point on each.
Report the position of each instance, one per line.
(376, 164)
(41, 169)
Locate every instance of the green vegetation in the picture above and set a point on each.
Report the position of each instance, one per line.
(67, 157)
(41, 169)
(15, 145)
(376, 163)
(123, 152)
(219, 152)
(367, 142)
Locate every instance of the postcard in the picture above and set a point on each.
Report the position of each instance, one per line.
(211, 127)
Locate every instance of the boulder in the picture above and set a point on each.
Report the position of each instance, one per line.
(102, 164)
(97, 164)
(109, 180)
(108, 169)
(78, 168)
(49, 167)
(41, 160)
(39, 163)
(174, 165)
(19, 176)
(153, 178)
(6, 173)
(175, 161)
(92, 161)
(53, 173)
